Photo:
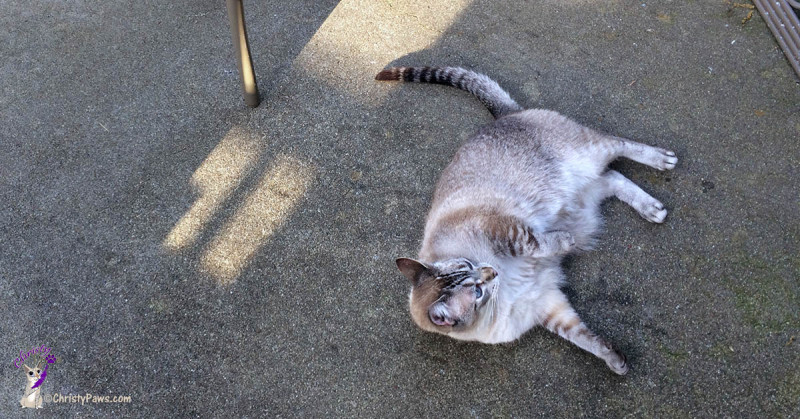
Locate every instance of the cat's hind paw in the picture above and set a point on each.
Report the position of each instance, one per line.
(653, 211)
(665, 160)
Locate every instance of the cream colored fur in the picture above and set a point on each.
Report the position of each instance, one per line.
(516, 198)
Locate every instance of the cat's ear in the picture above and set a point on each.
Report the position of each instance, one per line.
(414, 270)
(488, 273)
(27, 368)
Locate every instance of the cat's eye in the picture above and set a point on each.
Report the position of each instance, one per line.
(478, 292)
(38, 371)
(30, 372)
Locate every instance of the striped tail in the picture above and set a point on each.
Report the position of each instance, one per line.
(487, 90)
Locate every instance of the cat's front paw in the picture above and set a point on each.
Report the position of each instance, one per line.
(564, 240)
(618, 363)
(615, 359)
(552, 243)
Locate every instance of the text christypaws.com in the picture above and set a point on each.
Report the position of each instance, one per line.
(86, 398)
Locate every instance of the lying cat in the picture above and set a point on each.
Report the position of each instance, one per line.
(516, 198)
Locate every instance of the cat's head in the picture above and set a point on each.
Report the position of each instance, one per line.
(449, 295)
(33, 374)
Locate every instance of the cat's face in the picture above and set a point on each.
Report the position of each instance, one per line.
(448, 295)
(32, 374)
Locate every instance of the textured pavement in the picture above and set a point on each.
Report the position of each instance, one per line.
(208, 259)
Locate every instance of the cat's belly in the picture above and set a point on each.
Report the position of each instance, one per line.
(580, 215)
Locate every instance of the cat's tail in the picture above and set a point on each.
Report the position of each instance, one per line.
(487, 90)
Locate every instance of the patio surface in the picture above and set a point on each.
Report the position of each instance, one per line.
(208, 259)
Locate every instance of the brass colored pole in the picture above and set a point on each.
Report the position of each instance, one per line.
(242, 52)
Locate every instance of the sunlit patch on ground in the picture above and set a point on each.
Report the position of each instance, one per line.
(216, 178)
(386, 30)
(266, 208)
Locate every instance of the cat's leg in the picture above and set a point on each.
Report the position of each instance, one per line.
(657, 158)
(558, 317)
(551, 243)
(648, 207)
(522, 240)
(518, 239)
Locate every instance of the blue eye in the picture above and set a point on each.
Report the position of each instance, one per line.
(478, 292)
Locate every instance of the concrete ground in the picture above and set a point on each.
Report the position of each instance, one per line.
(208, 259)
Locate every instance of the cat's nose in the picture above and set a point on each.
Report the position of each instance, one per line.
(441, 320)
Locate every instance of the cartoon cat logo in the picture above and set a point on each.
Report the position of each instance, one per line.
(32, 398)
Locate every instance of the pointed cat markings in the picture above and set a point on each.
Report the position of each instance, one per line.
(517, 197)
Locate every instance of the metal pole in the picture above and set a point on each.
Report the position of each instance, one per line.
(242, 52)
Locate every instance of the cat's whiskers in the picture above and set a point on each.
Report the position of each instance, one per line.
(492, 303)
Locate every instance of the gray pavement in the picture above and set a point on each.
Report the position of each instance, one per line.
(208, 259)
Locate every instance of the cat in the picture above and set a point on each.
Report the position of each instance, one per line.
(517, 197)
(32, 397)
